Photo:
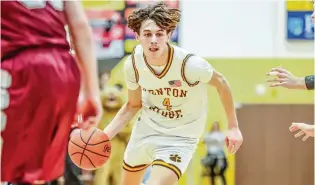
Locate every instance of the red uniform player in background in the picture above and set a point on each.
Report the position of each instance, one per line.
(40, 83)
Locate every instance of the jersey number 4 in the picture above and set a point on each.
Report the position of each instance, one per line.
(167, 104)
(56, 4)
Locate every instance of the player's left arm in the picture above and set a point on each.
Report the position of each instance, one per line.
(198, 69)
(222, 86)
(234, 137)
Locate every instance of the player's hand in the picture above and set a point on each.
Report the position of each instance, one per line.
(305, 129)
(233, 140)
(285, 78)
(89, 111)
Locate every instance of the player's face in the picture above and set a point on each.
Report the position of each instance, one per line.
(153, 39)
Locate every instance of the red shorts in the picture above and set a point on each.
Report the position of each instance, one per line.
(39, 91)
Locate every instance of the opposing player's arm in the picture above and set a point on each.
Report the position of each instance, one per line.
(284, 78)
(131, 107)
(82, 40)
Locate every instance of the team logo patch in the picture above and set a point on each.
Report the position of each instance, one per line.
(175, 158)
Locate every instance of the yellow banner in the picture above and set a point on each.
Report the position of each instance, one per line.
(302, 5)
(104, 4)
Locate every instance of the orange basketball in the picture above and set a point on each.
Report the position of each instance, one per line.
(89, 149)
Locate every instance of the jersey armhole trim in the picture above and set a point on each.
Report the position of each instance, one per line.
(134, 65)
(183, 71)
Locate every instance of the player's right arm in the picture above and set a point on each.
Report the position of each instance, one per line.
(82, 39)
(131, 107)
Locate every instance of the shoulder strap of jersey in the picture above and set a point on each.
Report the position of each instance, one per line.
(183, 71)
(134, 64)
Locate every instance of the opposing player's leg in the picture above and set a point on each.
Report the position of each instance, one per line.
(172, 156)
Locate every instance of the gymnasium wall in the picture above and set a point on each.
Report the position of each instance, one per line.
(242, 28)
(243, 40)
(251, 37)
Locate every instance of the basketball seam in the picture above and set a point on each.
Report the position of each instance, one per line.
(92, 144)
(85, 156)
(88, 149)
(86, 146)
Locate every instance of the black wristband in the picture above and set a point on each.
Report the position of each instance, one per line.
(309, 82)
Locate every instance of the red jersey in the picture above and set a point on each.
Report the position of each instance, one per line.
(26, 24)
(42, 95)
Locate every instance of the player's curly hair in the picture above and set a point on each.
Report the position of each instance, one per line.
(166, 18)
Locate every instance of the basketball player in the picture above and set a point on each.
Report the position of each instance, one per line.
(169, 86)
(40, 83)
